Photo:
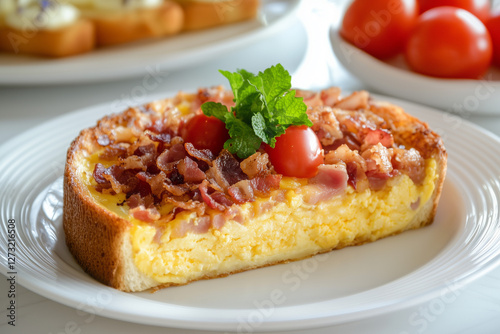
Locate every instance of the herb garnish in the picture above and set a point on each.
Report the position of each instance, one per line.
(265, 106)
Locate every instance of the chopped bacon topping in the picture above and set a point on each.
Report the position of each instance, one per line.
(154, 166)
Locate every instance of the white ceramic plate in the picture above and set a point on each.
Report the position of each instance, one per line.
(341, 286)
(172, 53)
(463, 97)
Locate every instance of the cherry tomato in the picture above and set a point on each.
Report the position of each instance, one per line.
(379, 27)
(205, 133)
(297, 152)
(480, 8)
(449, 42)
(493, 25)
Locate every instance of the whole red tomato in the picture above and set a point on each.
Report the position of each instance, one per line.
(379, 27)
(297, 152)
(205, 133)
(480, 8)
(493, 25)
(449, 42)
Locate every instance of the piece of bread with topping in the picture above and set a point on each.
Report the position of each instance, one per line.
(119, 22)
(203, 14)
(146, 208)
(61, 28)
(44, 29)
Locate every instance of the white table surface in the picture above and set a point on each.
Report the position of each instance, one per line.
(307, 55)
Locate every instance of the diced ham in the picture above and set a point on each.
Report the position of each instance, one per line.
(330, 181)
(376, 136)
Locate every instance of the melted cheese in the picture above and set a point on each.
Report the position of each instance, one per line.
(290, 229)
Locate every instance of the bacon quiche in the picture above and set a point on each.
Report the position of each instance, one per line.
(204, 185)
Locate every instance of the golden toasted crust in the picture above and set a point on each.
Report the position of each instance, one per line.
(100, 240)
(201, 15)
(118, 28)
(68, 41)
(411, 132)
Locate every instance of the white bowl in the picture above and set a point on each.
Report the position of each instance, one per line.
(460, 96)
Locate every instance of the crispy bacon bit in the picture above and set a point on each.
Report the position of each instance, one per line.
(378, 159)
(216, 200)
(310, 98)
(164, 137)
(330, 96)
(142, 208)
(203, 155)
(190, 171)
(355, 101)
(325, 125)
(409, 162)
(166, 159)
(245, 190)
(116, 179)
(226, 170)
(156, 182)
(256, 164)
(114, 151)
(175, 189)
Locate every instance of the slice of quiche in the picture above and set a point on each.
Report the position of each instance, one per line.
(163, 195)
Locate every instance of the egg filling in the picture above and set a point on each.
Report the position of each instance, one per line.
(273, 229)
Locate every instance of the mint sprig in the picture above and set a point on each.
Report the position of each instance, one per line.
(265, 106)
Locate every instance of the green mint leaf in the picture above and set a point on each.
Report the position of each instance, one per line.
(264, 108)
(259, 127)
(291, 110)
(272, 84)
(215, 109)
(243, 142)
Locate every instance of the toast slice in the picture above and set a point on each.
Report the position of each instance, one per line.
(53, 31)
(138, 214)
(201, 14)
(126, 25)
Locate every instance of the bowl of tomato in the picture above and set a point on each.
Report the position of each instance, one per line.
(442, 55)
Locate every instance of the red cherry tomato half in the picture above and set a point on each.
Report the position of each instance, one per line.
(449, 42)
(379, 27)
(493, 25)
(480, 8)
(297, 152)
(205, 133)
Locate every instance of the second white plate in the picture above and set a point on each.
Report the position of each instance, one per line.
(345, 285)
(135, 59)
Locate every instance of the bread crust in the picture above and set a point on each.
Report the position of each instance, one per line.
(128, 26)
(100, 240)
(202, 15)
(75, 39)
